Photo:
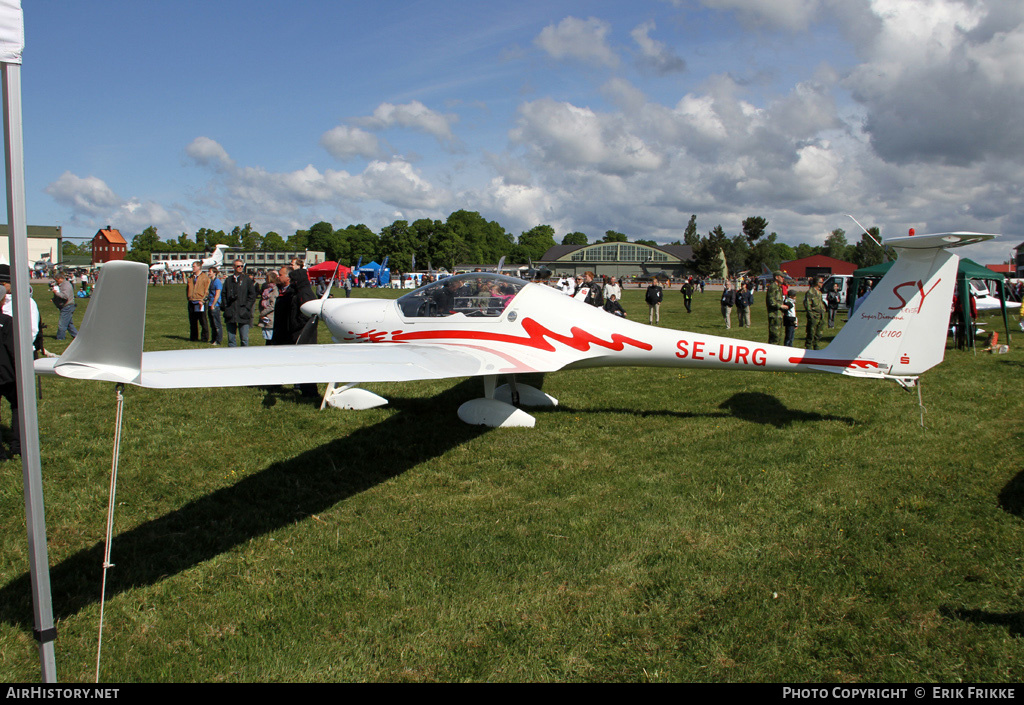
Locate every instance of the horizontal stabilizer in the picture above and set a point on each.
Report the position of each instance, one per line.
(921, 242)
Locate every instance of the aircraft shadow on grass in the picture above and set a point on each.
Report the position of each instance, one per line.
(1011, 498)
(748, 406)
(173, 336)
(293, 490)
(1013, 621)
(758, 407)
(272, 498)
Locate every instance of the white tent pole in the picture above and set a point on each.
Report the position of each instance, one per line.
(39, 564)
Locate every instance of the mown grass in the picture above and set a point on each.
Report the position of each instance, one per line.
(659, 525)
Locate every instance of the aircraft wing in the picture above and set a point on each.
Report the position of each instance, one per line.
(297, 364)
(109, 348)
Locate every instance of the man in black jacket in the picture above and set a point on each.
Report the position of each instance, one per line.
(8, 374)
(728, 301)
(687, 291)
(744, 300)
(238, 299)
(289, 321)
(653, 299)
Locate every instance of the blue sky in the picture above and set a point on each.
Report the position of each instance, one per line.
(583, 115)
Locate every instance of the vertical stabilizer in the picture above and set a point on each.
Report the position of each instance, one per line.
(902, 324)
(900, 329)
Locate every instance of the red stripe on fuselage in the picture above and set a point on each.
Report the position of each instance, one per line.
(537, 336)
(824, 362)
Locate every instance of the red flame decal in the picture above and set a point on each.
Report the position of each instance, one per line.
(537, 337)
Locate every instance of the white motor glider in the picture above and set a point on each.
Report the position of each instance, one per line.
(185, 265)
(489, 325)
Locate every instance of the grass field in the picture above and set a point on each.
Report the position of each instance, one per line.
(659, 525)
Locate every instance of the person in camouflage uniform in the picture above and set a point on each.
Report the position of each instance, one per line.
(814, 306)
(775, 301)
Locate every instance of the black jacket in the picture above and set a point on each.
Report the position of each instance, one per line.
(7, 369)
(238, 299)
(302, 292)
(283, 317)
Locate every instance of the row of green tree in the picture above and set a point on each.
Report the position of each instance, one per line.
(467, 237)
(751, 248)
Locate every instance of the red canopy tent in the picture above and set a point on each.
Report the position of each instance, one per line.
(326, 269)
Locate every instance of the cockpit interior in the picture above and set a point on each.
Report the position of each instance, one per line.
(473, 294)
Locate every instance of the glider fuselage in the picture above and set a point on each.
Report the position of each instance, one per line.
(540, 329)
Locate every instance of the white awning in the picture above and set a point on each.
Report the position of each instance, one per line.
(12, 31)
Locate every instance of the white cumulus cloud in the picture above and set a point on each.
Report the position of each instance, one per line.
(345, 143)
(93, 203)
(397, 183)
(578, 40)
(88, 195)
(569, 136)
(522, 203)
(243, 191)
(654, 53)
(413, 115)
(942, 79)
(207, 152)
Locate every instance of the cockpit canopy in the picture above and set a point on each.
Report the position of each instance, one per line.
(473, 294)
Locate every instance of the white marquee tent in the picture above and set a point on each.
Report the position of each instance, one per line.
(12, 43)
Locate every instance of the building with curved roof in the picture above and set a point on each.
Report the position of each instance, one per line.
(619, 259)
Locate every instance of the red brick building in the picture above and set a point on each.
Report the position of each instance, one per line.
(107, 245)
(817, 266)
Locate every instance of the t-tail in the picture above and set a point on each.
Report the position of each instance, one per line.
(899, 331)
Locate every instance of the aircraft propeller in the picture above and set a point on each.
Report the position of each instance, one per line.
(308, 334)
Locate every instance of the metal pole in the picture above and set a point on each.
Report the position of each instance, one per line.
(35, 519)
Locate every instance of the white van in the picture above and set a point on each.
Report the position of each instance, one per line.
(845, 282)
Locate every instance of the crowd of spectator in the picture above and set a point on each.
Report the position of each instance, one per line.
(737, 294)
(234, 301)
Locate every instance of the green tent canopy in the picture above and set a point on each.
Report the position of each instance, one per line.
(966, 270)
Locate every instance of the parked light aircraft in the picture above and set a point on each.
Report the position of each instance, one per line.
(489, 325)
(983, 298)
(530, 273)
(185, 265)
(767, 276)
(647, 276)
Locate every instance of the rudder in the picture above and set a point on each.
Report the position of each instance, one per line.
(900, 329)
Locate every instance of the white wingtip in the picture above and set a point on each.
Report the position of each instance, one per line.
(109, 344)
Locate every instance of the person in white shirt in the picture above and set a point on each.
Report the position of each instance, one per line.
(8, 305)
(612, 288)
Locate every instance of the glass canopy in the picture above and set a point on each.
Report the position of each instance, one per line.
(473, 294)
